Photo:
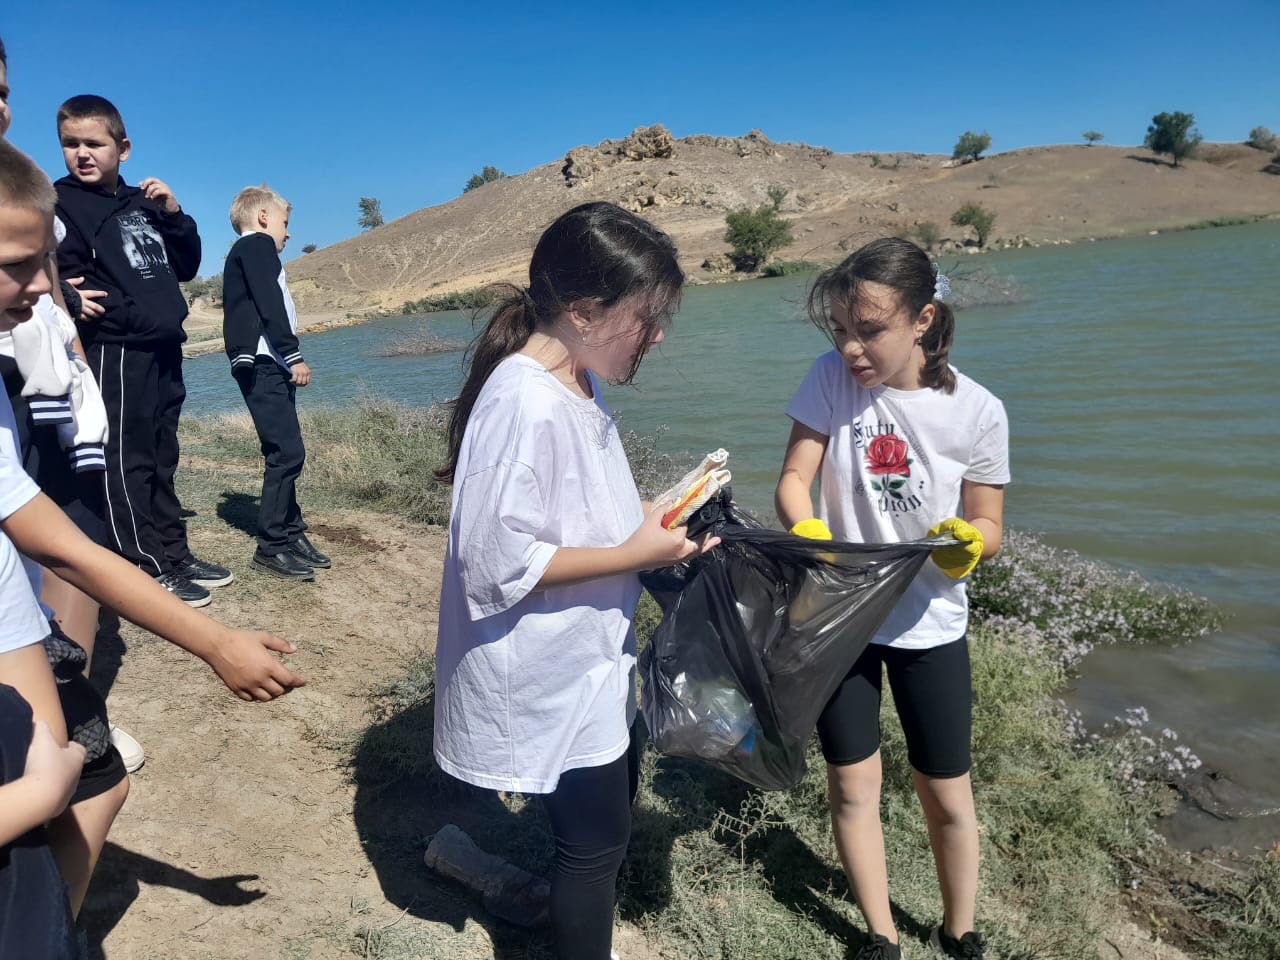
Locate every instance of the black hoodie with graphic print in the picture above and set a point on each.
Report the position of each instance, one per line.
(137, 254)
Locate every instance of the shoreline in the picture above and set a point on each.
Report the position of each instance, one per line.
(318, 322)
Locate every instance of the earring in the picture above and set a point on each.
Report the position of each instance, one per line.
(919, 340)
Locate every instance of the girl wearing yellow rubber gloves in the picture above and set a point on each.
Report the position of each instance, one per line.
(904, 446)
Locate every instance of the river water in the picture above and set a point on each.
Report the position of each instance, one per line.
(1140, 377)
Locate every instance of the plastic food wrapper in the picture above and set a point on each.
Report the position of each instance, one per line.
(688, 494)
(756, 636)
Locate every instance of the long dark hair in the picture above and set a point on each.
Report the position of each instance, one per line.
(903, 266)
(596, 252)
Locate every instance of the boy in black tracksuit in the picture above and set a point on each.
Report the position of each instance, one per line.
(259, 331)
(136, 244)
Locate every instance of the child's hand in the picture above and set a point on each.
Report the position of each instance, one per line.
(244, 663)
(56, 769)
(158, 195)
(958, 562)
(652, 545)
(811, 529)
(301, 374)
(90, 309)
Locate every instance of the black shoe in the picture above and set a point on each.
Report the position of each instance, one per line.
(305, 550)
(879, 948)
(189, 593)
(203, 572)
(283, 564)
(967, 947)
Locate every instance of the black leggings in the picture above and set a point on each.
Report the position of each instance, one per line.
(590, 814)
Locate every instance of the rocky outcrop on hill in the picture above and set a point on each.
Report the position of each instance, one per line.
(835, 202)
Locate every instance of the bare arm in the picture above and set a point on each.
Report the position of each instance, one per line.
(41, 793)
(242, 659)
(983, 506)
(651, 546)
(805, 450)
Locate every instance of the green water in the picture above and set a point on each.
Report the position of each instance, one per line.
(1139, 377)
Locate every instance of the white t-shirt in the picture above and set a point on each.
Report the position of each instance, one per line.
(892, 471)
(22, 622)
(531, 683)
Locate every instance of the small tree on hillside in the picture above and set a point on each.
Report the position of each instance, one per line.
(1091, 137)
(486, 175)
(977, 216)
(309, 248)
(928, 233)
(370, 213)
(1261, 139)
(777, 194)
(970, 145)
(755, 235)
(1174, 134)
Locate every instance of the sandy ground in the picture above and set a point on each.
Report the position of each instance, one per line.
(251, 831)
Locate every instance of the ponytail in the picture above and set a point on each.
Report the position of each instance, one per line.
(936, 344)
(507, 331)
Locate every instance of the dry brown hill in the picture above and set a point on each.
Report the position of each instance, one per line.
(1039, 195)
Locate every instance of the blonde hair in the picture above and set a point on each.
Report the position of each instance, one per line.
(252, 199)
(24, 184)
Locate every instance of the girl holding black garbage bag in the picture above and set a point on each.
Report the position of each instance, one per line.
(535, 689)
(904, 445)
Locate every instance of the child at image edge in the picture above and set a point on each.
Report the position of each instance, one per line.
(260, 330)
(536, 651)
(904, 446)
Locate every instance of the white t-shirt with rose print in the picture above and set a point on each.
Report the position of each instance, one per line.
(892, 471)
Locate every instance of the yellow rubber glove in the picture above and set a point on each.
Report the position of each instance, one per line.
(813, 529)
(957, 562)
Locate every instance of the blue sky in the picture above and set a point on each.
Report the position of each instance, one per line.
(403, 101)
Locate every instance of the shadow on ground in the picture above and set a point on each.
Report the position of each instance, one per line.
(116, 882)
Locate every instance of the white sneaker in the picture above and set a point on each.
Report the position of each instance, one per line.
(130, 749)
(613, 955)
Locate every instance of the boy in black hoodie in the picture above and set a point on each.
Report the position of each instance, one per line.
(136, 244)
(260, 332)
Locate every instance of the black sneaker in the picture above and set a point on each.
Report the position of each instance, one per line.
(967, 947)
(203, 572)
(189, 593)
(305, 550)
(283, 564)
(879, 948)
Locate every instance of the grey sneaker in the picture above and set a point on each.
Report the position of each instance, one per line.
(967, 947)
(189, 593)
(879, 948)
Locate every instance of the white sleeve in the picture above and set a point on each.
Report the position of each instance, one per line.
(498, 516)
(22, 623)
(813, 404)
(989, 460)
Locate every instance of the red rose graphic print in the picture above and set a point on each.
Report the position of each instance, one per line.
(887, 458)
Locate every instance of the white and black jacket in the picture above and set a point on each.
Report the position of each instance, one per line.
(256, 306)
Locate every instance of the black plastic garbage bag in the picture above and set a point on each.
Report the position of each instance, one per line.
(755, 637)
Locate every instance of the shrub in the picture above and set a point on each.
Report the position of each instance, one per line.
(309, 248)
(977, 216)
(476, 299)
(210, 288)
(1174, 134)
(970, 145)
(777, 194)
(486, 175)
(928, 233)
(1262, 139)
(1091, 137)
(755, 235)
